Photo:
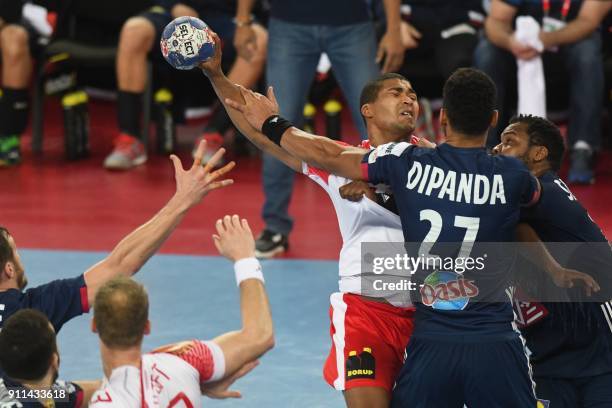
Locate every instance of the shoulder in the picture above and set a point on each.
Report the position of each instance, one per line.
(117, 391)
(390, 149)
(11, 296)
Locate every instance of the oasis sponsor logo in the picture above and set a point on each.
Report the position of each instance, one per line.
(445, 290)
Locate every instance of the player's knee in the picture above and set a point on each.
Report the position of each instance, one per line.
(14, 43)
(137, 36)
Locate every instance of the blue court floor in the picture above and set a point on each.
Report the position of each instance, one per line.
(197, 297)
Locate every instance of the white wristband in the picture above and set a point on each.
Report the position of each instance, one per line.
(247, 268)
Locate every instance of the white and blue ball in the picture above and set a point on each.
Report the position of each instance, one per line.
(186, 42)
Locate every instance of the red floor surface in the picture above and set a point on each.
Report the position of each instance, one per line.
(53, 204)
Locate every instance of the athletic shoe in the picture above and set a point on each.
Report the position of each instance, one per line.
(581, 167)
(214, 141)
(9, 151)
(128, 152)
(269, 244)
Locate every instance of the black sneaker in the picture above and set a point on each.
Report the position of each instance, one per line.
(9, 151)
(581, 168)
(270, 243)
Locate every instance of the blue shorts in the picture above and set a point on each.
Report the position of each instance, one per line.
(591, 392)
(451, 374)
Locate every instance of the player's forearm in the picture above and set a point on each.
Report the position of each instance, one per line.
(224, 88)
(257, 333)
(324, 153)
(535, 251)
(133, 251)
(256, 316)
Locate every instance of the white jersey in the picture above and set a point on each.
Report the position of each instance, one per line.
(363, 221)
(169, 377)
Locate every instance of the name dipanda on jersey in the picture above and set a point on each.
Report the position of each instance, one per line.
(458, 187)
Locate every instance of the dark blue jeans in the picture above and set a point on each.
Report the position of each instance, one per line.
(293, 55)
(584, 67)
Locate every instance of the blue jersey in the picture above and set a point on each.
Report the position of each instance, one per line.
(460, 196)
(60, 300)
(571, 340)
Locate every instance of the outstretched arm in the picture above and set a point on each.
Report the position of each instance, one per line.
(232, 355)
(536, 252)
(135, 249)
(227, 90)
(235, 241)
(316, 151)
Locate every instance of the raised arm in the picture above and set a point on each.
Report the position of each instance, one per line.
(227, 90)
(316, 151)
(324, 153)
(234, 240)
(134, 250)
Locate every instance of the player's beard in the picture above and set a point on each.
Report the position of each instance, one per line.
(525, 159)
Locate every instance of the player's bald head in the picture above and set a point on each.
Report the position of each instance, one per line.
(121, 313)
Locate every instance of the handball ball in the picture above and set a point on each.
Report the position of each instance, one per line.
(186, 42)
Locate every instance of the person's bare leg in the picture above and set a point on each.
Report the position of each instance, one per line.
(16, 59)
(367, 397)
(247, 73)
(135, 43)
(14, 105)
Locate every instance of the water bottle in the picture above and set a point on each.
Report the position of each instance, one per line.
(368, 363)
(165, 130)
(76, 125)
(353, 365)
(333, 122)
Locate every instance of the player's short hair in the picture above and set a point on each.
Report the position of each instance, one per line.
(6, 252)
(370, 91)
(542, 132)
(27, 345)
(121, 312)
(469, 101)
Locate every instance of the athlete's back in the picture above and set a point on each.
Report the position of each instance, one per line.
(163, 379)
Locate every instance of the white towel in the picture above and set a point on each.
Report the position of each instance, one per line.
(37, 16)
(530, 73)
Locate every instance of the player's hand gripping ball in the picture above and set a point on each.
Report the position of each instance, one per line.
(186, 42)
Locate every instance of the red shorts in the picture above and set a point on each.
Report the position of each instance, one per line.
(368, 342)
